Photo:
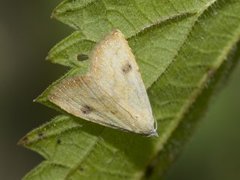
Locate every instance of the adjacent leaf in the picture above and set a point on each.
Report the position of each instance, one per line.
(179, 46)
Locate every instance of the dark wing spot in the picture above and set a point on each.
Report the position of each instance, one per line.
(126, 68)
(113, 111)
(82, 57)
(86, 109)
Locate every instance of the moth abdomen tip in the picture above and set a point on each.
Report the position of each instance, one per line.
(153, 133)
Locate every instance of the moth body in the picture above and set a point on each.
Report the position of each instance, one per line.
(112, 93)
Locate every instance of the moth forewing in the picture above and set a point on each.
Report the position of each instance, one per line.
(112, 93)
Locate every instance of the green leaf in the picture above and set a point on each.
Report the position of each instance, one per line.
(180, 46)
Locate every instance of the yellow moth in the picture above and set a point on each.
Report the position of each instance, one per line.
(112, 93)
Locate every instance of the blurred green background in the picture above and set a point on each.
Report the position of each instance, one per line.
(26, 35)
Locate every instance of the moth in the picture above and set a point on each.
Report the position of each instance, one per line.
(112, 93)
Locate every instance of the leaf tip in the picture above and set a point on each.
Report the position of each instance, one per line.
(42, 99)
(23, 141)
(50, 54)
(48, 57)
(53, 15)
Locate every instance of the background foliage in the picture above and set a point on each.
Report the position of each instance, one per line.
(22, 85)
